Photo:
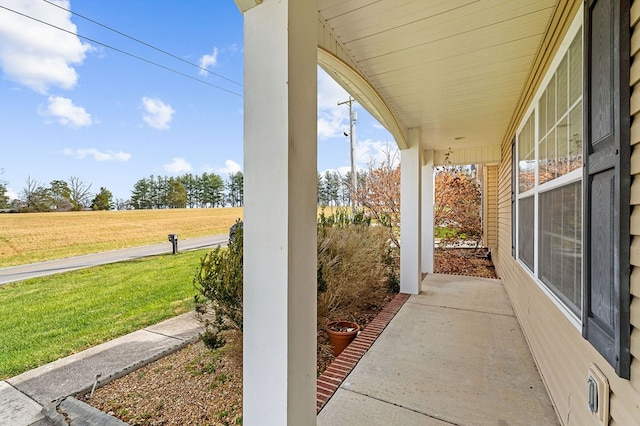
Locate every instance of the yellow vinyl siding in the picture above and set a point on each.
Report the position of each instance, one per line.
(490, 206)
(562, 355)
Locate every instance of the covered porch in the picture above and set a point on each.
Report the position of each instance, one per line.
(453, 354)
(450, 81)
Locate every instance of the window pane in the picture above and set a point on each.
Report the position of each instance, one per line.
(551, 104)
(562, 78)
(562, 147)
(575, 69)
(542, 114)
(526, 157)
(575, 137)
(560, 243)
(544, 173)
(525, 231)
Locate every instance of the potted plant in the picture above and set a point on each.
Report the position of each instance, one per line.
(341, 333)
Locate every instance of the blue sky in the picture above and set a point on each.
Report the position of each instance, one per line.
(73, 107)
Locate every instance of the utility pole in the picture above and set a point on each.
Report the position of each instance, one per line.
(354, 180)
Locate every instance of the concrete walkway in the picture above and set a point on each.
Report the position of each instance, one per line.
(454, 354)
(22, 397)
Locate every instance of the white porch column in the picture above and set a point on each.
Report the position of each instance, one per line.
(280, 213)
(427, 212)
(410, 217)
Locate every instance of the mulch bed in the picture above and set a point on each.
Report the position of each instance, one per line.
(463, 261)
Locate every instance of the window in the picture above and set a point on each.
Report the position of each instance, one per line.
(572, 195)
(560, 243)
(549, 196)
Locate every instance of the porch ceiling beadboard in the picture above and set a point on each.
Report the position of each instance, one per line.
(454, 68)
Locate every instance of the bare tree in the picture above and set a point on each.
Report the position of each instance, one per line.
(80, 193)
(378, 193)
(36, 197)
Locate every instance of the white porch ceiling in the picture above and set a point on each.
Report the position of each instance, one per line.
(454, 68)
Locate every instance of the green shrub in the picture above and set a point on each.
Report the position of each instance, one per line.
(218, 281)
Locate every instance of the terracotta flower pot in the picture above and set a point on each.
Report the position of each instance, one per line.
(341, 333)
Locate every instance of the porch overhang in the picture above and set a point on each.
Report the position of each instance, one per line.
(447, 78)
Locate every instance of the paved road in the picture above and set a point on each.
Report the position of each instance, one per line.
(23, 272)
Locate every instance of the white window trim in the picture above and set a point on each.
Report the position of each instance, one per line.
(576, 175)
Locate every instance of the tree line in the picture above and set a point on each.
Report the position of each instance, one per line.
(334, 189)
(193, 191)
(207, 190)
(153, 192)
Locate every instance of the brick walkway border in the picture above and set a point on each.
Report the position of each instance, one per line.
(329, 382)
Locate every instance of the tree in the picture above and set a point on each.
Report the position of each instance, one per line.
(61, 194)
(190, 184)
(333, 182)
(177, 196)
(4, 198)
(103, 200)
(235, 194)
(378, 193)
(457, 204)
(321, 198)
(122, 204)
(212, 190)
(80, 193)
(161, 191)
(36, 197)
(141, 194)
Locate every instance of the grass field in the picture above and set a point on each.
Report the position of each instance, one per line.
(47, 318)
(35, 237)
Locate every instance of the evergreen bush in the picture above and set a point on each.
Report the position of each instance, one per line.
(218, 281)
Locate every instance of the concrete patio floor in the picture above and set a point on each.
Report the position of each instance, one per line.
(454, 354)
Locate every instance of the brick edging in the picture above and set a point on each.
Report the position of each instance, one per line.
(329, 381)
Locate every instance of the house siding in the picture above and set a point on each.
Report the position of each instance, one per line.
(490, 206)
(562, 355)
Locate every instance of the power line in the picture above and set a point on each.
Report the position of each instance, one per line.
(143, 43)
(122, 51)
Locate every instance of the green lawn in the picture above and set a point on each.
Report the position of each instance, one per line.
(47, 318)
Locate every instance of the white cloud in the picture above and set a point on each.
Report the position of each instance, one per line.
(230, 166)
(82, 153)
(66, 112)
(177, 165)
(36, 55)
(333, 119)
(157, 114)
(208, 61)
